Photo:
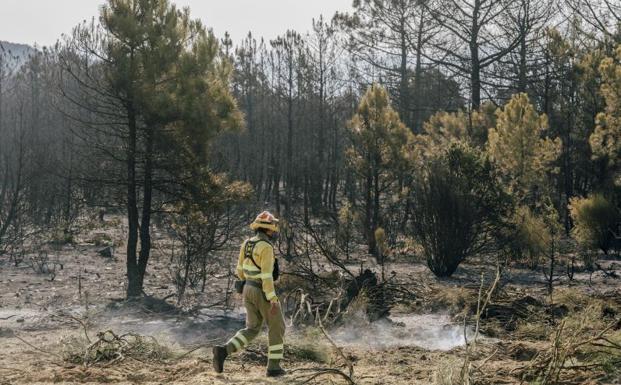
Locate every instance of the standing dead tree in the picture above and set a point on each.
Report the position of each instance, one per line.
(473, 40)
(13, 180)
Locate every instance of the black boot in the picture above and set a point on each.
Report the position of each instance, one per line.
(219, 355)
(276, 372)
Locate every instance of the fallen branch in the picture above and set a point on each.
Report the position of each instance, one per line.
(35, 347)
(608, 274)
(318, 372)
(78, 320)
(205, 345)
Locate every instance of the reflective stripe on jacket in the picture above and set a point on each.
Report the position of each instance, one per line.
(263, 255)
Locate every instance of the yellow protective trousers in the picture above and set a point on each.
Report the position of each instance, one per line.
(258, 311)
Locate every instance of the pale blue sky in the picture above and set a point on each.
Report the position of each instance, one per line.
(43, 21)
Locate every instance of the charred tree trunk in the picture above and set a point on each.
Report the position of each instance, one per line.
(368, 211)
(134, 282)
(145, 225)
(418, 74)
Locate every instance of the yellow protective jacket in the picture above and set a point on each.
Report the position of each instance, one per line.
(263, 255)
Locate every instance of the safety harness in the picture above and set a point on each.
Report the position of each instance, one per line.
(248, 251)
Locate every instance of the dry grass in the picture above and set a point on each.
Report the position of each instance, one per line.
(309, 347)
(572, 298)
(300, 347)
(532, 329)
(583, 346)
(454, 299)
(448, 372)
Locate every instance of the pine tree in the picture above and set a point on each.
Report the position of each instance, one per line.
(518, 149)
(445, 128)
(378, 154)
(165, 80)
(606, 139)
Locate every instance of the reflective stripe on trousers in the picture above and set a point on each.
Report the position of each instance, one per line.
(258, 311)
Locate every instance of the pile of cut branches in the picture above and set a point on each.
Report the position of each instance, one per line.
(111, 348)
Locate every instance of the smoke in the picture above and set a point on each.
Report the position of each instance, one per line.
(208, 325)
(428, 331)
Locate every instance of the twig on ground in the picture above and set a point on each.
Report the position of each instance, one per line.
(78, 320)
(548, 366)
(35, 347)
(486, 360)
(205, 345)
(318, 372)
(350, 365)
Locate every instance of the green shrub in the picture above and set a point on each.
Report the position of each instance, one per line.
(531, 237)
(595, 218)
(457, 208)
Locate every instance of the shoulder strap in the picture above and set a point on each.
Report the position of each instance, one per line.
(249, 249)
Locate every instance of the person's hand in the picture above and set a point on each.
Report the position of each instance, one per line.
(274, 307)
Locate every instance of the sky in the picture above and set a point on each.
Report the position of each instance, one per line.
(43, 21)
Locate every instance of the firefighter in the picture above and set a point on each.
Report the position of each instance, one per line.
(255, 266)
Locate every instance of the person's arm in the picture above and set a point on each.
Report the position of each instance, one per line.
(267, 266)
(240, 262)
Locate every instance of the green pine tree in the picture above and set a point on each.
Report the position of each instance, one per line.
(517, 146)
(606, 139)
(170, 79)
(378, 154)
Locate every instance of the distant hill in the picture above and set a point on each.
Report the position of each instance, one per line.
(17, 52)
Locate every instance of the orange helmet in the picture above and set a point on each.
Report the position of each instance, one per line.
(265, 220)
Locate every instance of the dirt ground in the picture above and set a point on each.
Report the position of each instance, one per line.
(423, 344)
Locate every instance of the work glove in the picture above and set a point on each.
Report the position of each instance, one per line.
(274, 306)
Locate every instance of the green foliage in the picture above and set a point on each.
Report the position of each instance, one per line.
(517, 148)
(380, 240)
(531, 237)
(444, 128)
(594, 217)
(170, 69)
(534, 234)
(606, 139)
(379, 154)
(458, 206)
(346, 230)
(378, 136)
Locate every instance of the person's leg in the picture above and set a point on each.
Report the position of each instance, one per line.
(276, 334)
(254, 321)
